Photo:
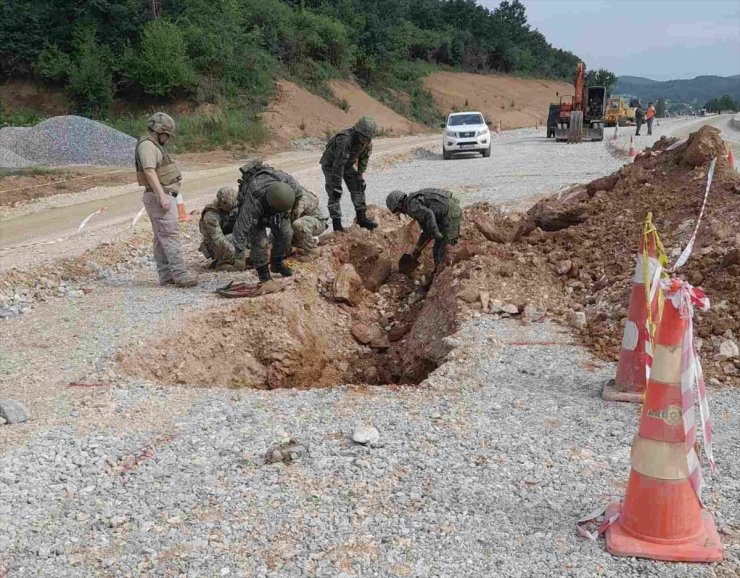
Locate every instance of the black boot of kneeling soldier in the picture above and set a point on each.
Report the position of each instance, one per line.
(336, 224)
(279, 266)
(263, 273)
(364, 222)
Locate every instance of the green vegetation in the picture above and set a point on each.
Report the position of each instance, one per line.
(601, 77)
(660, 108)
(724, 103)
(227, 53)
(28, 171)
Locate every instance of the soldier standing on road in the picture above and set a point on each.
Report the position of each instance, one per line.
(437, 212)
(346, 157)
(160, 177)
(216, 225)
(639, 117)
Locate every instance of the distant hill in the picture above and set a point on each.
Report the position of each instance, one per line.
(701, 88)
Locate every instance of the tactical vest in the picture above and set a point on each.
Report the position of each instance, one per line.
(226, 220)
(167, 170)
(356, 149)
(427, 197)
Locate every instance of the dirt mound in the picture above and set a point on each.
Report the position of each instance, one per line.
(516, 102)
(297, 113)
(595, 233)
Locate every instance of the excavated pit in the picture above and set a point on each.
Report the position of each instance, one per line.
(389, 330)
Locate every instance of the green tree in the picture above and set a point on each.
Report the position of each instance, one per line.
(660, 108)
(601, 77)
(160, 64)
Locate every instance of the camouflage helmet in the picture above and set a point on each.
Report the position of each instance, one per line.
(226, 199)
(366, 126)
(250, 165)
(280, 197)
(393, 200)
(161, 122)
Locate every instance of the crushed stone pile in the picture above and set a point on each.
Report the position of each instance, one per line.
(65, 140)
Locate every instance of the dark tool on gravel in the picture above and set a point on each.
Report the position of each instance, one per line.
(235, 290)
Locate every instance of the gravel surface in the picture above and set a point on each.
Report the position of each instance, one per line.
(481, 471)
(494, 456)
(65, 140)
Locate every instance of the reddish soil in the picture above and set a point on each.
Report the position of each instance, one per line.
(494, 95)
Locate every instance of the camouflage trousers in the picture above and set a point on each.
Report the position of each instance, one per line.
(167, 250)
(223, 252)
(356, 186)
(450, 229)
(305, 231)
(281, 234)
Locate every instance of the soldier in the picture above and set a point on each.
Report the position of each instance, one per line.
(639, 117)
(216, 224)
(348, 148)
(266, 199)
(160, 177)
(308, 222)
(437, 212)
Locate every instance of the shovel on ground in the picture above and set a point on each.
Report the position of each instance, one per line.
(234, 290)
(408, 263)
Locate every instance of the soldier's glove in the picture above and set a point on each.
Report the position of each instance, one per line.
(416, 253)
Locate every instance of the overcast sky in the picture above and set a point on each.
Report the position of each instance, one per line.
(658, 39)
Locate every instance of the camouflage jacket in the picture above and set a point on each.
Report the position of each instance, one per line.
(430, 208)
(343, 151)
(254, 211)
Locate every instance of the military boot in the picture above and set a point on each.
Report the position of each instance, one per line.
(364, 222)
(263, 273)
(282, 268)
(337, 225)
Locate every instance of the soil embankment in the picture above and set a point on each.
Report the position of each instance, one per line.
(516, 102)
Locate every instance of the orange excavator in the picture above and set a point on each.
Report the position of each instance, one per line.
(581, 115)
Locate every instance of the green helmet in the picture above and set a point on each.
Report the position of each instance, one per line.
(226, 199)
(366, 126)
(161, 122)
(393, 200)
(280, 197)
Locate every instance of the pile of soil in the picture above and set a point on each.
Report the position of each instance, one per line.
(576, 251)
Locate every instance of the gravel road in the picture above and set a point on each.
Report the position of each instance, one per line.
(479, 472)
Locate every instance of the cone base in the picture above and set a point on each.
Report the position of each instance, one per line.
(611, 393)
(706, 547)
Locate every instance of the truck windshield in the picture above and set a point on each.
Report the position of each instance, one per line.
(461, 119)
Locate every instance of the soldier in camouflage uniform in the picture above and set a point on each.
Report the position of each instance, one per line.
(308, 222)
(346, 157)
(216, 224)
(437, 212)
(267, 198)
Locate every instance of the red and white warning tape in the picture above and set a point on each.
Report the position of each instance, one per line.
(594, 516)
(686, 253)
(684, 297)
(83, 224)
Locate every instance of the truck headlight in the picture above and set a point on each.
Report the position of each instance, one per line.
(451, 133)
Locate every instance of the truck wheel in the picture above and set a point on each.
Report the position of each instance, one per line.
(487, 152)
(445, 155)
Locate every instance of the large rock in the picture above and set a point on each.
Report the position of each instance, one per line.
(487, 226)
(728, 350)
(372, 263)
(365, 435)
(348, 285)
(704, 145)
(602, 184)
(366, 333)
(13, 411)
(550, 216)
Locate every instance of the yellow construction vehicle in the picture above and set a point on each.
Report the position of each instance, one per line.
(617, 112)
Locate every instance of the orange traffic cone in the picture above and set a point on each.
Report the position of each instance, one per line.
(182, 214)
(632, 152)
(662, 517)
(635, 355)
(730, 157)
